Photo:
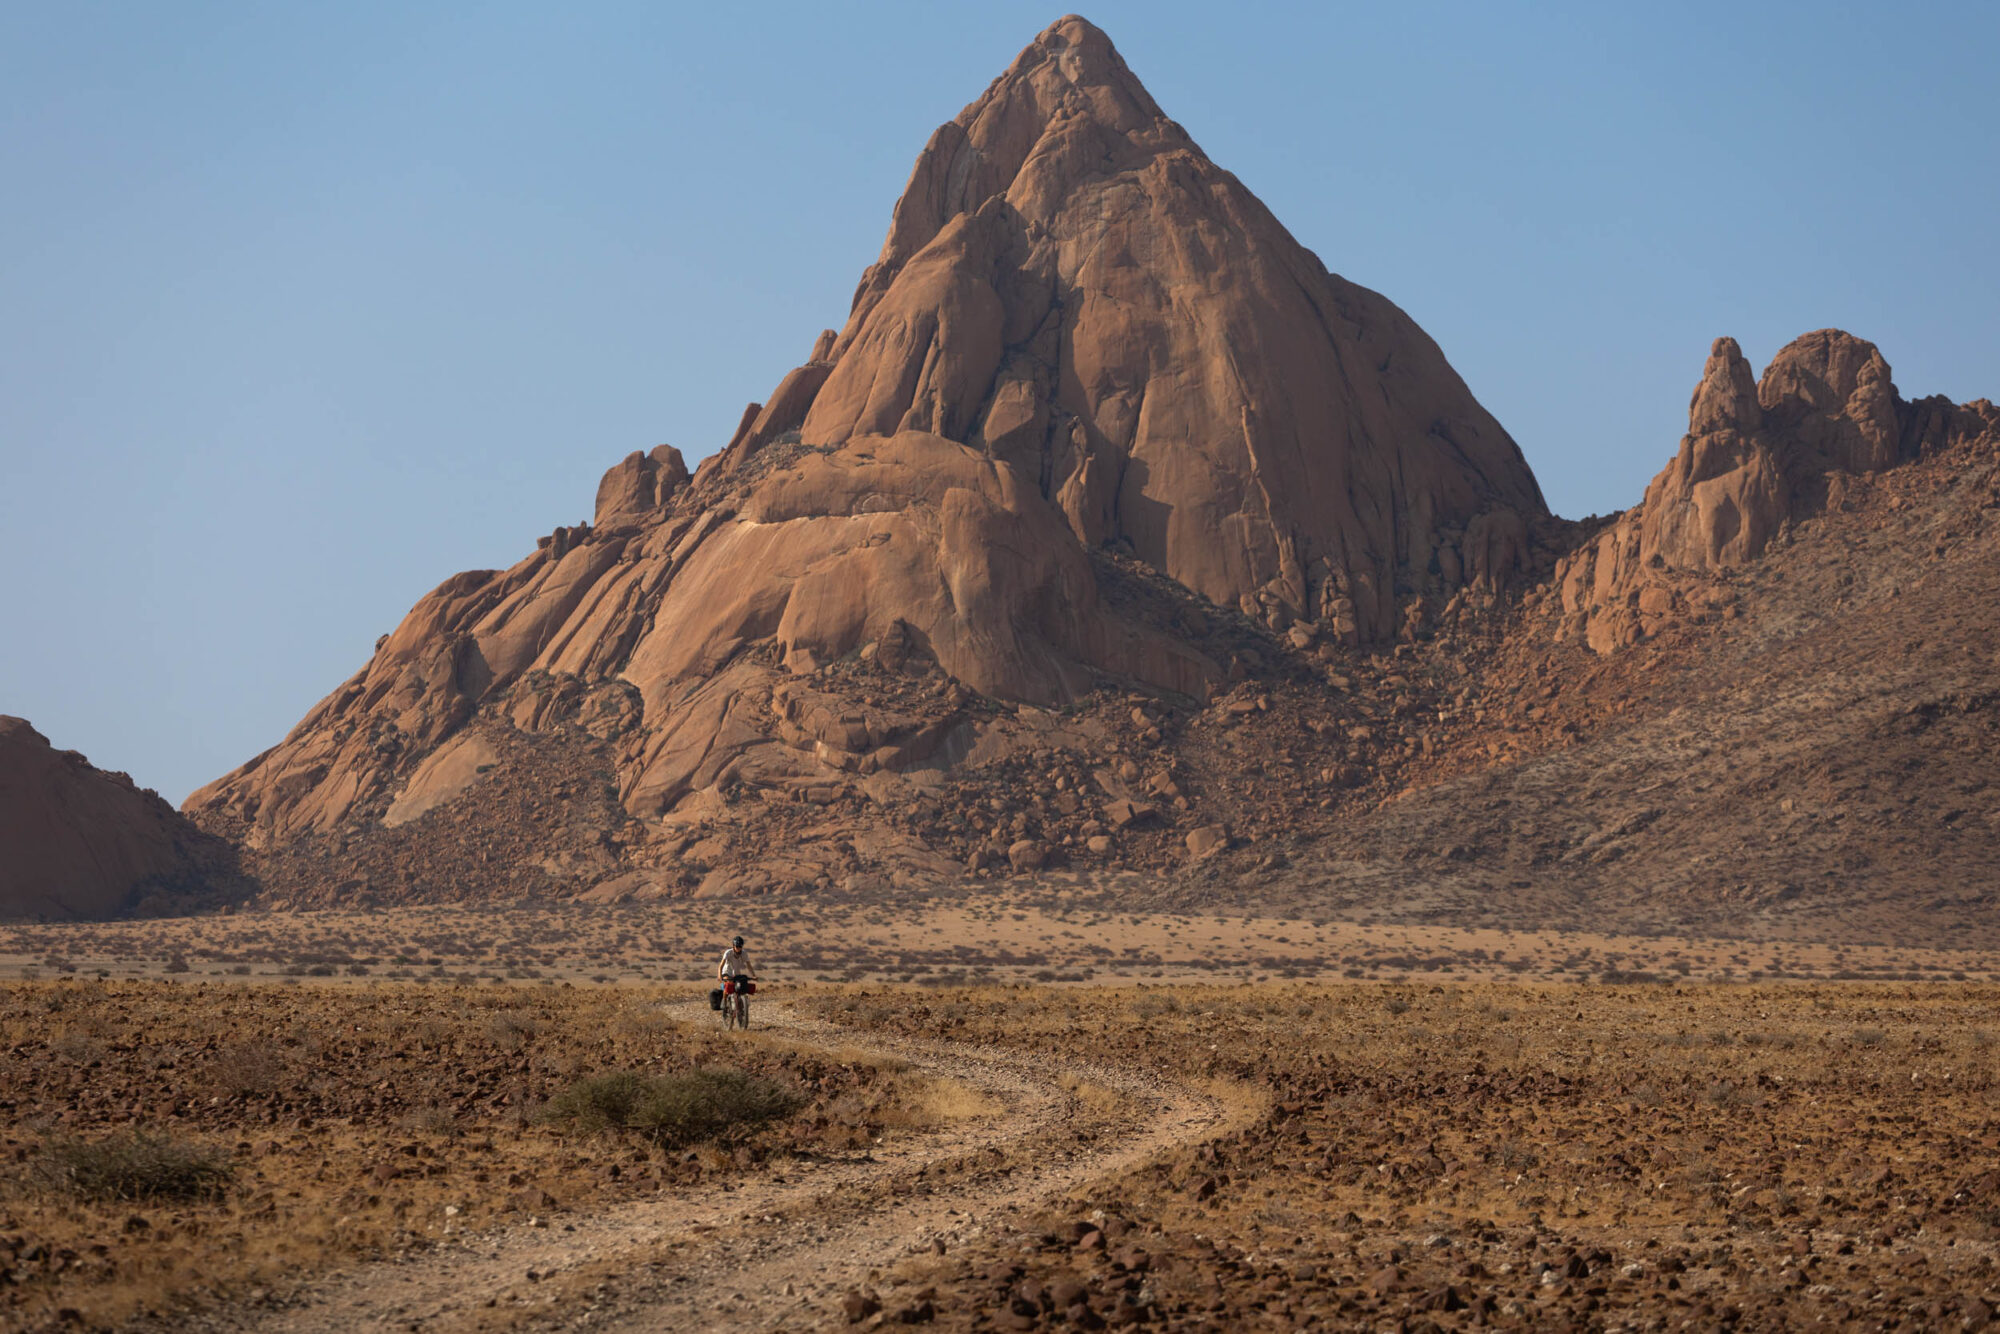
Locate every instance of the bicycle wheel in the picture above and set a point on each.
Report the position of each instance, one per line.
(743, 1013)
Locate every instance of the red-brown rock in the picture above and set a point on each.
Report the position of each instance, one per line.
(637, 489)
(1080, 333)
(1071, 286)
(78, 842)
(1759, 454)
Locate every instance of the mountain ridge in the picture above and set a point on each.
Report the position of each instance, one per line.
(1088, 493)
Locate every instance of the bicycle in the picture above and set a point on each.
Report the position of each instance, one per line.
(736, 1003)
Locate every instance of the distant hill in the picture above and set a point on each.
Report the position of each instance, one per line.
(77, 842)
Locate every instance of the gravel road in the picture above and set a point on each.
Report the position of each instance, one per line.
(781, 1250)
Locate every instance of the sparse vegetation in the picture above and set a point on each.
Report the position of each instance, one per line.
(290, 1127)
(134, 1166)
(1590, 1115)
(1554, 1156)
(677, 1109)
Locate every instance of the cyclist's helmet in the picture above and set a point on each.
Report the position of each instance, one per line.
(738, 942)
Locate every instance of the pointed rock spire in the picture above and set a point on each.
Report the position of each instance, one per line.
(1758, 454)
(1080, 332)
(1070, 286)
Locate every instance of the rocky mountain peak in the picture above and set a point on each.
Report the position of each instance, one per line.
(1084, 350)
(1072, 288)
(1758, 455)
(1725, 399)
(1068, 108)
(1831, 394)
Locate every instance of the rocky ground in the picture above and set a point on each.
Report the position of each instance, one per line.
(1445, 1157)
(357, 1123)
(1060, 929)
(1272, 1156)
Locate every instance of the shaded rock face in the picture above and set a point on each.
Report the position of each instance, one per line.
(1758, 455)
(1071, 287)
(1081, 334)
(77, 842)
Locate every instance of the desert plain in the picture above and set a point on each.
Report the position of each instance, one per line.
(1024, 1110)
(1219, 851)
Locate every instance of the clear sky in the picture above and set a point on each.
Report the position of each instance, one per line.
(305, 307)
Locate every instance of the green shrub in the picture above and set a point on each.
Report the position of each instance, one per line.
(601, 1102)
(701, 1104)
(672, 1109)
(137, 1166)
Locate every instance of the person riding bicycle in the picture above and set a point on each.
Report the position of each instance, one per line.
(735, 964)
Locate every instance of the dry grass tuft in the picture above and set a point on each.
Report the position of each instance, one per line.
(675, 1110)
(132, 1167)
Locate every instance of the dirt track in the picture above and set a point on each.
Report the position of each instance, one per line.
(783, 1249)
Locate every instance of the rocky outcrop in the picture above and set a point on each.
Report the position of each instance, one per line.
(1758, 455)
(77, 842)
(1083, 344)
(1071, 287)
(637, 490)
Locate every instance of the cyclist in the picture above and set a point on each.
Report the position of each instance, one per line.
(735, 963)
(734, 970)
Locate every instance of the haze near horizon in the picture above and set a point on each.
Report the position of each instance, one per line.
(305, 312)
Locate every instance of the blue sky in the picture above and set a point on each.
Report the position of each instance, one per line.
(304, 308)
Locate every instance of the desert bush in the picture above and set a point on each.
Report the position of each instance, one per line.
(1728, 1093)
(76, 1048)
(430, 1119)
(135, 1166)
(602, 1102)
(701, 1104)
(675, 1109)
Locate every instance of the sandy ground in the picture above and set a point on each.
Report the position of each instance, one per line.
(1053, 930)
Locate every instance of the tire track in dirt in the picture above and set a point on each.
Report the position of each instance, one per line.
(780, 1250)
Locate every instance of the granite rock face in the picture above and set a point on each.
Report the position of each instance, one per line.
(1070, 286)
(1083, 343)
(1759, 454)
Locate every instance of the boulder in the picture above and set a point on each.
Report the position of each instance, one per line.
(639, 486)
(1206, 839)
(1123, 814)
(1027, 855)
